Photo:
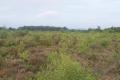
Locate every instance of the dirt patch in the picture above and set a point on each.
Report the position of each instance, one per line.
(16, 68)
(102, 64)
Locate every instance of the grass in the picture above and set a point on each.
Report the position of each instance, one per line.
(53, 55)
(64, 69)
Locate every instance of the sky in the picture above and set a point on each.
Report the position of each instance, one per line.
(75, 14)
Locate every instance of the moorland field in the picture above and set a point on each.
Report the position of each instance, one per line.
(59, 55)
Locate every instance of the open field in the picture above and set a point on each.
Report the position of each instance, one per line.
(62, 55)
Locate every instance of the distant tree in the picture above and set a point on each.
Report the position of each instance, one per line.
(90, 29)
(43, 28)
(98, 28)
(113, 29)
(10, 28)
(2, 28)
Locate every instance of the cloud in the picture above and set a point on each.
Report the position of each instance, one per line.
(60, 12)
(48, 13)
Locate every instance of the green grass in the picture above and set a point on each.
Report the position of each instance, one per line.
(92, 46)
(61, 67)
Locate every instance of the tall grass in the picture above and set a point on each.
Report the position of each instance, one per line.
(61, 67)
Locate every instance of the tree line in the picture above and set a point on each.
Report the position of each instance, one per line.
(53, 28)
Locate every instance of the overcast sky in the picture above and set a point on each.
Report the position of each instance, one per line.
(71, 13)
